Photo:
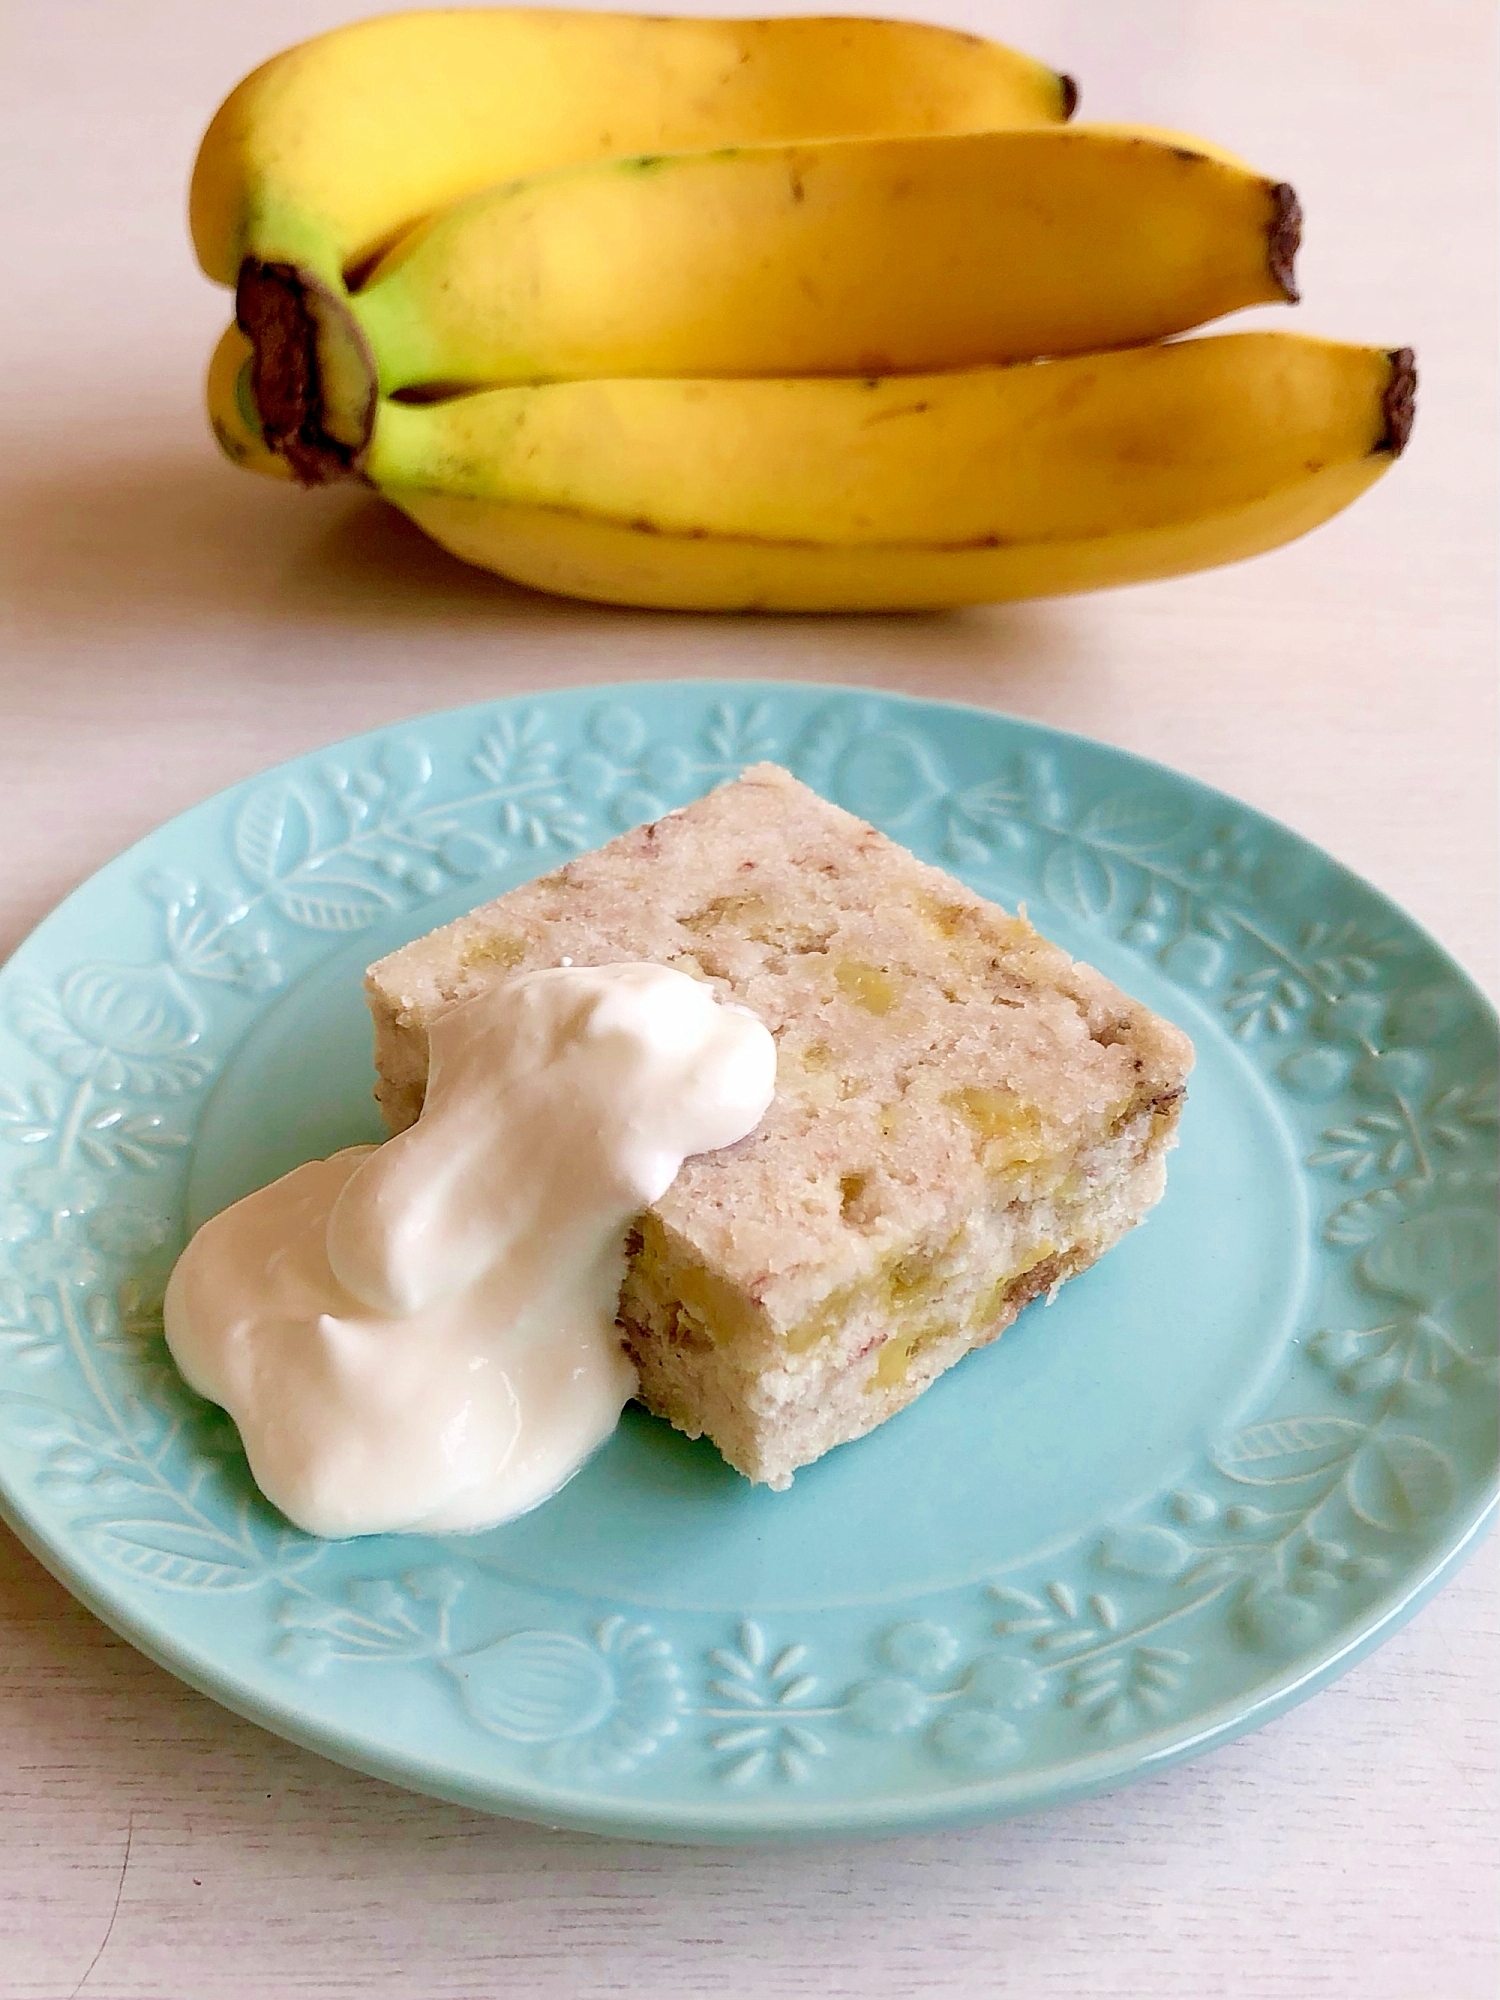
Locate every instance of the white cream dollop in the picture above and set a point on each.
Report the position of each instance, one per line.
(420, 1336)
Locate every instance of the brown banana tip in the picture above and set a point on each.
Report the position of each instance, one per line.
(1398, 403)
(1069, 96)
(274, 307)
(1285, 239)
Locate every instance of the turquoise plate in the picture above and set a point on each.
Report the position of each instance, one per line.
(1220, 1467)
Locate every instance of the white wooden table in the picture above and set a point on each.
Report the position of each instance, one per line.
(177, 625)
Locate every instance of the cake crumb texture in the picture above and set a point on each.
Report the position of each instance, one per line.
(964, 1115)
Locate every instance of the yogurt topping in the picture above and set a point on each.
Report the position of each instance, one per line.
(420, 1336)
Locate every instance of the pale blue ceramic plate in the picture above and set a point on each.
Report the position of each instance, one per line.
(1217, 1469)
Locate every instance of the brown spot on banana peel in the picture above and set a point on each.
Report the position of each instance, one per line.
(1285, 240)
(901, 410)
(288, 316)
(231, 446)
(1069, 87)
(642, 524)
(1398, 402)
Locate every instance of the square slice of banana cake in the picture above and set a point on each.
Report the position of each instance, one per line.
(964, 1116)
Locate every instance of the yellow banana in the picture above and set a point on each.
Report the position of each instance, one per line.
(908, 492)
(1190, 142)
(324, 154)
(843, 257)
(232, 412)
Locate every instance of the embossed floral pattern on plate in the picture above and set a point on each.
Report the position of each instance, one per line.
(1304, 1530)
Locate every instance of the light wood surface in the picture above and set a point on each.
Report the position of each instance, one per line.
(174, 626)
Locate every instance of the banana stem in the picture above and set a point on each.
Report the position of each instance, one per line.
(1285, 239)
(1398, 403)
(312, 374)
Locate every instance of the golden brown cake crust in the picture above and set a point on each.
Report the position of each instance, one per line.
(936, 1058)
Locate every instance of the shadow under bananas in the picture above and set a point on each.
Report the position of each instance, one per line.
(175, 543)
(166, 539)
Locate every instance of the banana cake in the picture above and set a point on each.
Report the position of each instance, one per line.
(964, 1115)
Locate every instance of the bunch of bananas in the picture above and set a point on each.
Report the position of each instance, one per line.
(799, 314)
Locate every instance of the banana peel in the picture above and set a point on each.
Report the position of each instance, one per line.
(840, 257)
(843, 257)
(324, 155)
(900, 493)
(733, 343)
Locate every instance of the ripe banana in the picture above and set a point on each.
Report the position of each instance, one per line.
(232, 412)
(843, 257)
(321, 157)
(906, 492)
(721, 288)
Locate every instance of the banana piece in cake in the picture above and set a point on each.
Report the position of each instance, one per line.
(964, 1116)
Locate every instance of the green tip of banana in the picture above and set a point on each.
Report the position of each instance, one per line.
(881, 328)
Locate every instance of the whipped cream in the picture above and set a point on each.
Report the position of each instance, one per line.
(420, 1336)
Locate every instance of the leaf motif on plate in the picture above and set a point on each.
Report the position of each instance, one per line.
(331, 903)
(1399, 1482)
(273, 833)
(1144, 1551)
(1140, 822)
(1355, 1463)
(1288, 1449)
(1428, 1258)
(180, 1555)
(1079, 881)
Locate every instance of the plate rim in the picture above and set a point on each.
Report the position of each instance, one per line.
(982, 1802)
(779, 1816)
